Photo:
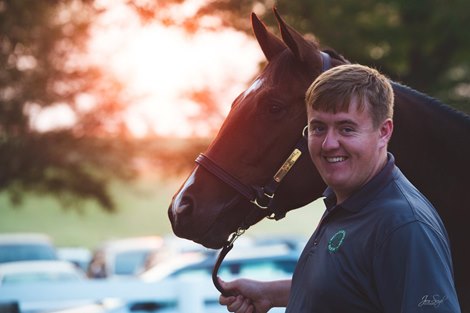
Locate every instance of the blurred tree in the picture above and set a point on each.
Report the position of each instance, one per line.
(420, 43)
(42, 67)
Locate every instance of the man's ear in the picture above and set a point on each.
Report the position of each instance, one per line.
(386, 130)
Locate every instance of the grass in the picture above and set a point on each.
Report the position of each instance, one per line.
(141, 210)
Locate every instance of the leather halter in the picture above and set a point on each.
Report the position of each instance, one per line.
(260, 196)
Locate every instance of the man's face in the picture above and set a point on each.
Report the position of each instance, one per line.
(346, 148)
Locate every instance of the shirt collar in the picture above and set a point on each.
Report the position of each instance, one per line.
(366, 193)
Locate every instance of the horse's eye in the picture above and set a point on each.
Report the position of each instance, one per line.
(276, 108)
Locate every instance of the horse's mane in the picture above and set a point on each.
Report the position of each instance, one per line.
(412, 92)
(432, 101)
(286, 65)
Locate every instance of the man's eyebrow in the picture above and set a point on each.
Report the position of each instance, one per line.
(340, 122)
(314, 120)
(346, 122)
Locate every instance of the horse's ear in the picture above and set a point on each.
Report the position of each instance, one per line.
(269, 43)
(300, 47)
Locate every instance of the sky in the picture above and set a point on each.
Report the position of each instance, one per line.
(159, 65)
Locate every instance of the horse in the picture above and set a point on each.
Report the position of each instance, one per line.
(265, 125)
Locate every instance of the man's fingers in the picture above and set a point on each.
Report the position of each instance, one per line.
(246, 306)
(226, 300)
(236, 305)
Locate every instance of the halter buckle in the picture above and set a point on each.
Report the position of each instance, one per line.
(263, 207)
(255, 202)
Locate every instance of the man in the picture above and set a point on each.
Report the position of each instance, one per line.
(380, 245)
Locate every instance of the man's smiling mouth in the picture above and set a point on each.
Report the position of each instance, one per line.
(335, 159)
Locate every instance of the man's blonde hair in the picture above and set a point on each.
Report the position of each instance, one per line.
(334, 90)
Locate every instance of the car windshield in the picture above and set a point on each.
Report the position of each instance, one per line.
(128, 263)
(26, 252)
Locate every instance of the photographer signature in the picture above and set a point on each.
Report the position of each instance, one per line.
(434, 300)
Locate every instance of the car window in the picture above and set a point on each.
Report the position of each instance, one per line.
(26, 252)
(17, 278)
(194, 273)
(129, 262)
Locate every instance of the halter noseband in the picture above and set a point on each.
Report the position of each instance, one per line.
(261, 197)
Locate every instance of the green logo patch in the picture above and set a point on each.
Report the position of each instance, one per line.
(336, 241)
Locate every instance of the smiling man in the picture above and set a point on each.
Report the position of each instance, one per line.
(350, 123)
(380, 245)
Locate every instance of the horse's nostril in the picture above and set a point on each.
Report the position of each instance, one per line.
(185, 206)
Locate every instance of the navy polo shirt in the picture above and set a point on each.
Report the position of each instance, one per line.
(384, 249)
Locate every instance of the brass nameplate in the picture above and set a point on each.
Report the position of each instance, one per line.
(285, 168)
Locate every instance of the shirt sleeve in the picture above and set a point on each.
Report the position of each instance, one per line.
(412, 269)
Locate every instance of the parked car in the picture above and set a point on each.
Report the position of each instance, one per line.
(193, 270)
(39, 271)
(25, 247)
(257, 262)
(267, 262)
(122, 258)
(79, 256)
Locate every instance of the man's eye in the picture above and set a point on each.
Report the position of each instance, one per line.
(347, 130)
(316, 129)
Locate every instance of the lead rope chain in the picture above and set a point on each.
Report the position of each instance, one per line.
(226, 249)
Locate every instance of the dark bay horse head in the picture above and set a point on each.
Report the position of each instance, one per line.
(259, 133)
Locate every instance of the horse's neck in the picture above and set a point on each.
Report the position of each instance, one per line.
(429, 122)
(431, 143)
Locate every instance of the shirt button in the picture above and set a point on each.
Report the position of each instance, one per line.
(315, 243)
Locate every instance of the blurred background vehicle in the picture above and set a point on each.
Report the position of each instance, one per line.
(25, 247)
(21, 272)
(255, 258)
(122, 258)
(80, 256)
(262, 262)
(178, 281)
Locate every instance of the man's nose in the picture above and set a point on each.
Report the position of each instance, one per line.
(330, 142)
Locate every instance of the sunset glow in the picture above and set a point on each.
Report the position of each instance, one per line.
(161, 65)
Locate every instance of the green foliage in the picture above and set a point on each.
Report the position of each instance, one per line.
(41, 45)
(423, 44)
(420, 43)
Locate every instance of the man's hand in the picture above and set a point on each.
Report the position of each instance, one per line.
(253, 296)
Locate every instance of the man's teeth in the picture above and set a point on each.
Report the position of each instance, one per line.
(335, 159)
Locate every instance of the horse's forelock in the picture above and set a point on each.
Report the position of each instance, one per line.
(283, 68)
